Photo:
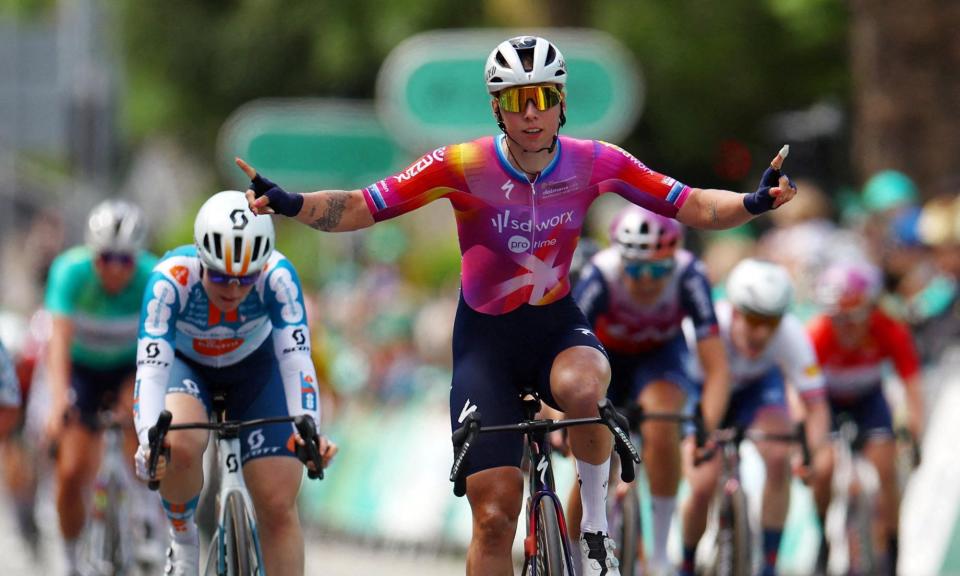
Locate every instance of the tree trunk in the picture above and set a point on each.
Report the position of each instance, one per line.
(905, 64)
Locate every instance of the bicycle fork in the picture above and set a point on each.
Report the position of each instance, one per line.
(231, 482)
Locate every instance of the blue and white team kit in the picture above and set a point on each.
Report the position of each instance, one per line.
(259, 353)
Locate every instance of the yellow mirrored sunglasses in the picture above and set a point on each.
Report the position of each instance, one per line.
(515, 98)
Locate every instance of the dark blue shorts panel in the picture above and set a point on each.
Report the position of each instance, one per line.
(495, 357)
(255, 390)
(765, 392)
(870, 412)
(93, 390)
(632, 372)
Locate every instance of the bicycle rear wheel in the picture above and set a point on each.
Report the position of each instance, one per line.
(238, 545)
(550, 559)
(862, 554)
(625, 528)
(104, 554)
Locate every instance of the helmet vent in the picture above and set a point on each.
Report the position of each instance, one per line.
(217, 248)
(266, 245)
(237, 248)
(206, 242)
(644, 227)
(501, 60)
(551, 55)
(256, 247)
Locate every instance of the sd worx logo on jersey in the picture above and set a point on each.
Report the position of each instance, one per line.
(519, 244)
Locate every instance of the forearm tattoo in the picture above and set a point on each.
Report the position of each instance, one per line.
(332, 213)
(713, 213)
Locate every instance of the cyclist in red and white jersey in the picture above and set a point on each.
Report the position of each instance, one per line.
(520, 199)
(767, 348)
(636, 295)
(855, 341)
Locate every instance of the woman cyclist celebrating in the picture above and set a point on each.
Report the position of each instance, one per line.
(520, 199)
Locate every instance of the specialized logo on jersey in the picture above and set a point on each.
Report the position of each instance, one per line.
(287, 294)
(216, 346)
(239, 219)
(181, 274)
(308, 394)
(420, 165)
(191, 387)
(158, 309)
(507, 189)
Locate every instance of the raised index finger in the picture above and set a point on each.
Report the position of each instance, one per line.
(248, 169)
(777, 161)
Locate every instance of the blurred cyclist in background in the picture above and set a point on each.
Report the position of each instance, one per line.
(227, 313)
(635, 295)
(9, 393)
(766, 347)
(520, 199)
(93, 294)
(854, 340)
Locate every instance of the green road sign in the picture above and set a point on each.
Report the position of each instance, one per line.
(307, 144)
(430, 89)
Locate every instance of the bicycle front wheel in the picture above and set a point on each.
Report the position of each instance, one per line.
(625, 527)
(550, 559)
(734, 549)
(237, 544)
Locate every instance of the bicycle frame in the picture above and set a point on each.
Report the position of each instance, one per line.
(109, 550)
(538, 452)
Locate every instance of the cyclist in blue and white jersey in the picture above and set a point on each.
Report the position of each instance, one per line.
(93, 296)
(636, 294)
(766, 347)
(228, 313)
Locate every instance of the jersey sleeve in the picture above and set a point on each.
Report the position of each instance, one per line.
(798, 359)
(283, 297)
(156, 344)
(696, 297)
(60, 298)
(592, 294)
(899, 347)
(431, 177)
(616, 170)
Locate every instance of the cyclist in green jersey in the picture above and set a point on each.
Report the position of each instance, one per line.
(94, 294)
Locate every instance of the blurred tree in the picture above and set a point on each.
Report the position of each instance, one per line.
(905, 66)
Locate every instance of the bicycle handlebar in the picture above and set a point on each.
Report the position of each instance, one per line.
(464, 437)
(736, 434)
(157, 433)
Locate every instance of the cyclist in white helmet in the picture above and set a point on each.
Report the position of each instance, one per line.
(227, 313)
(767, 347)
(93, 294)
(520, 199)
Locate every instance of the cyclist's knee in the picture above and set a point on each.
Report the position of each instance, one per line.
(776, 460)
(186, 449)
(579, 379)
(495, 497)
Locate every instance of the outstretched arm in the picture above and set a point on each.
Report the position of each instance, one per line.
(719, 209)
(326, 210)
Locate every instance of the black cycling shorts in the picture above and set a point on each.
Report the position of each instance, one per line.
(495, 357)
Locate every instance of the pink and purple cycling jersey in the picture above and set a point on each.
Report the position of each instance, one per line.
(625, 326)
(517, 237)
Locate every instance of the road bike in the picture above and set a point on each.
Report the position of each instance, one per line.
(546, 547)
(623, 506)
(118, 539)
(727, 546)
(235, 551)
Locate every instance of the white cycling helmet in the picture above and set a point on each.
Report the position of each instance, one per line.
(505, 65)
(116, 226)
(640, 234)
(229, 237)
(760, 287)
